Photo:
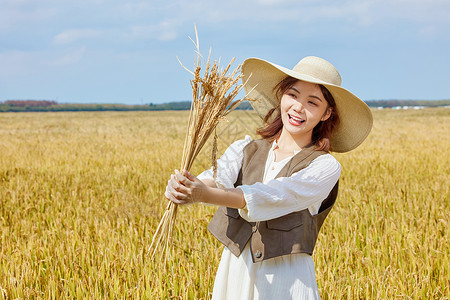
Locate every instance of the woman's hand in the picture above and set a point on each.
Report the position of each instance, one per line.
(185, 188)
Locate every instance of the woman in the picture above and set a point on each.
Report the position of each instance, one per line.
(275, 193)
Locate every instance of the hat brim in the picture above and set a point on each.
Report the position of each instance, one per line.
(261, 77)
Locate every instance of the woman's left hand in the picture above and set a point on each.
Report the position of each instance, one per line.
(185, 188)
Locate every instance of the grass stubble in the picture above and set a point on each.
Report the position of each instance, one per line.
(80, 200)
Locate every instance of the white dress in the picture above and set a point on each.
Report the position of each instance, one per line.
(285, 277)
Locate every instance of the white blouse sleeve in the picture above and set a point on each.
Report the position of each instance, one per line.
(284, 195)
(228, 165)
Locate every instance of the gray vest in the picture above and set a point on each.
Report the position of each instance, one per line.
(293, 233)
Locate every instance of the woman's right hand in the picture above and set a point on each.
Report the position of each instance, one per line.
(185, 188)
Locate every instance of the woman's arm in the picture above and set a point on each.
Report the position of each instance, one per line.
(283, 195)
(209, 182)
(204, 187)
(276, 198)
(185, 188)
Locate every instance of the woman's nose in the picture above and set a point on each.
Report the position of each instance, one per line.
(298, 106)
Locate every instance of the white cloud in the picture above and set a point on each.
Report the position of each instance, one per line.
(432, 11)
(428, 31)
(359, 12)
(14, 17)
(73, 35)
(24, 63)
(271, 2)
(163, 31)
(268, 11)
(69, 58)
(168, 35)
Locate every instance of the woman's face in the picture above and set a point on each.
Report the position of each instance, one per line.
(303, 106)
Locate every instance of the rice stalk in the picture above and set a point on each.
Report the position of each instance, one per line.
(214, 155)
(212, 100)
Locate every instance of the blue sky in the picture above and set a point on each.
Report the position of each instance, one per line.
(111, 51)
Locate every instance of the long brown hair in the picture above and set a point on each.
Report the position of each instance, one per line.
(321, 133)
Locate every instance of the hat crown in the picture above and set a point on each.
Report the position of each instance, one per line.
(320, 69)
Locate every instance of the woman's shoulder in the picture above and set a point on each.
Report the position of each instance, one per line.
(327, 161)
(240, 144)
(327, 156)
(250, 145)
(236, 148)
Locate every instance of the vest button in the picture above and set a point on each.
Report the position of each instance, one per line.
(258, 254)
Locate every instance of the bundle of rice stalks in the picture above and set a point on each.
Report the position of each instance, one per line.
(212, 100)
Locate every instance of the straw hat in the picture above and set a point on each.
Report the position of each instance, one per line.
(355, 116)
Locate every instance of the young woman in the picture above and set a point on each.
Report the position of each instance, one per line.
(274, 193)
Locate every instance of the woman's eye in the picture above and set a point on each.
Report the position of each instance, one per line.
(312, 103)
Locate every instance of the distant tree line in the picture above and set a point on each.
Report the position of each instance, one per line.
(186, 105)
(50, 105)
(46, 105)
(396, 103)
(30, 103)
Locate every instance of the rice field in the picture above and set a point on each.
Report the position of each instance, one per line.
(81, 196)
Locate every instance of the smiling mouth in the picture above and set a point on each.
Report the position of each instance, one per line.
(295, 120)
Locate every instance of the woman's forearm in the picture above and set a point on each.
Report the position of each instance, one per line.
(184, 188)
(232, 197)
(209, 182)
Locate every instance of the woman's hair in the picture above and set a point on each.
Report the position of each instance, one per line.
(321, 133)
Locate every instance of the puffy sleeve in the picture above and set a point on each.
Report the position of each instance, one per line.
(228, 165)
(304, 189)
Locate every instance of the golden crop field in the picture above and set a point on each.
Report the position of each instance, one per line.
(81, 196)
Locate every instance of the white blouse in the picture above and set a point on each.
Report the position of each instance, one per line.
(285, 277)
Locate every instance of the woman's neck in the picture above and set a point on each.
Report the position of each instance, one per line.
(288, 143)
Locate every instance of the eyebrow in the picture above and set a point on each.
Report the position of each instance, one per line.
(293, 88)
